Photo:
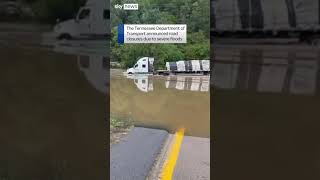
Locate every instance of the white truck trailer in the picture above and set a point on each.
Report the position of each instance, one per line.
(192, 66)
(145, 65)
(266, 18)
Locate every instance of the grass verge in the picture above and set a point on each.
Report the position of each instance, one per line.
(119, 128)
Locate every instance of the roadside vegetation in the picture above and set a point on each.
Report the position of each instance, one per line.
(194, 13)
(118, 129)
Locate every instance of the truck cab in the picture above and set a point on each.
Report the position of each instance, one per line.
(92, 20)
(144, 65)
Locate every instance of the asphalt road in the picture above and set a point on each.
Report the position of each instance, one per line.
(134, 156)
(194, 159)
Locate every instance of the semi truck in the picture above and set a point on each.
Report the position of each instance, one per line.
(145, 65)
(266, 18)
(91, 21)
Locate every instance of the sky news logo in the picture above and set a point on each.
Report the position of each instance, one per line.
(127, 6)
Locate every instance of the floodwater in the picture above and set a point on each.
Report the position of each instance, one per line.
(266, 112)
(162, 102)
(53, 110)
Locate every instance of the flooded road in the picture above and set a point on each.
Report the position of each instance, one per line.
(266, 112)
(53, 111)
(162, 102)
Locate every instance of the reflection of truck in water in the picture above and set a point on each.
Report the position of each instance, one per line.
(266, 18)
(201, 84)
(145, 65)
(144, 82)
(92, 60)
(273, 70)
(95, 69)
(92, 20)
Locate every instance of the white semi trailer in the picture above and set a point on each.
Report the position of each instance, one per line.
(192, 66)
(145, 65)
(266, 18)
(265, 15)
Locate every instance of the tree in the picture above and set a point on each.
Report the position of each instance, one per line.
(194, 13)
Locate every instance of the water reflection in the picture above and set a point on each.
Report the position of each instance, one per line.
(53, 111)
(96, 70)
(197, 83)
(143, 82)
(266, 112)
(92, 59)
(150, 102)
(188, 83)
(295, 73)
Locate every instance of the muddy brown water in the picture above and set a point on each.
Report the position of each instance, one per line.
(167, 103)
(266, 113)
(52, 115)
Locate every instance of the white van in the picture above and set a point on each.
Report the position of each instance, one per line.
(92, 20)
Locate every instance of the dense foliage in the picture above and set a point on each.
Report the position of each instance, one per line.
(51, 10)
(194, 13)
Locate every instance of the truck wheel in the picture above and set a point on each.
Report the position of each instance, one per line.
(65, 36)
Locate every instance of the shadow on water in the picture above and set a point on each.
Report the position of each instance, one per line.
(53, 111)
(266, 113)
(162, 102)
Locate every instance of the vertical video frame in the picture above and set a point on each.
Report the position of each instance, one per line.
(160, 89)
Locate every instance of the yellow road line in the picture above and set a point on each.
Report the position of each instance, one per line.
(170, 163)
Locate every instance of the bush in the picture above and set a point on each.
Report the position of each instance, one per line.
(198, 47)
(194, 13)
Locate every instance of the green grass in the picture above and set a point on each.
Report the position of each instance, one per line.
(118, 129)
(116, 123)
